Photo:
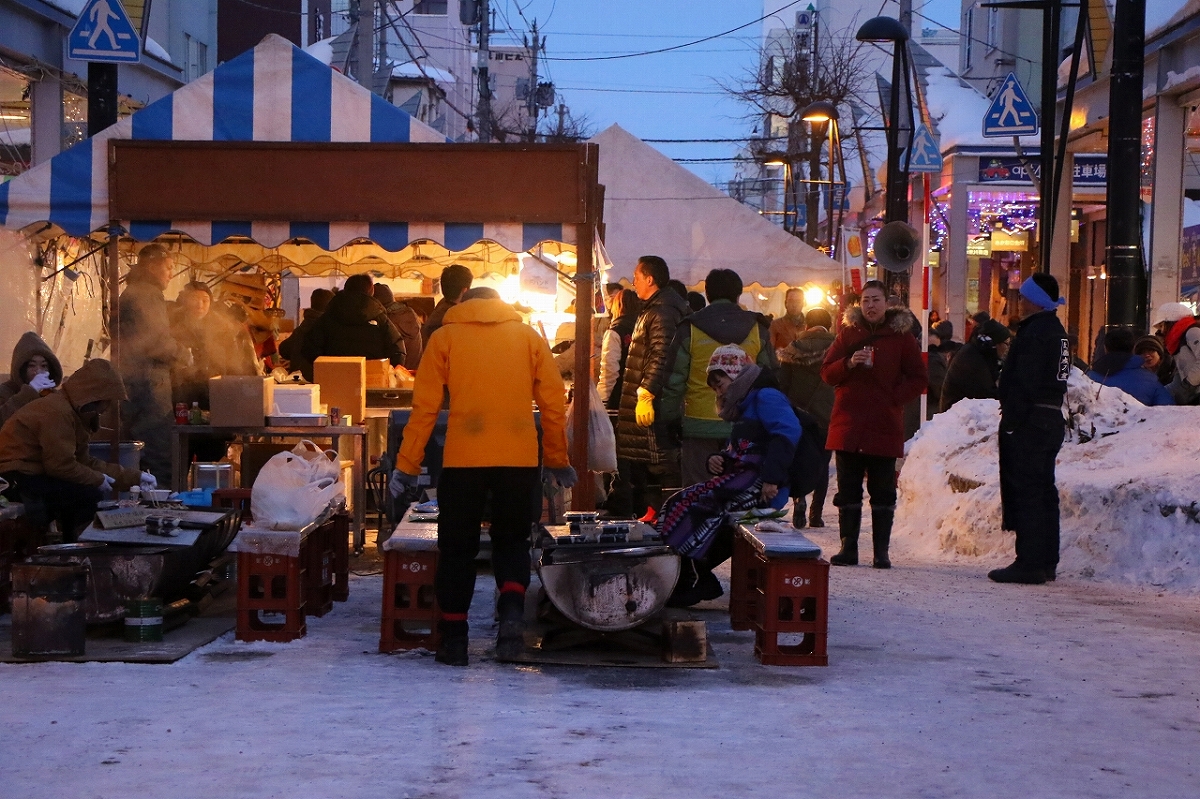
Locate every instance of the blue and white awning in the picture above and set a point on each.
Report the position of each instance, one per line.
(275, 92)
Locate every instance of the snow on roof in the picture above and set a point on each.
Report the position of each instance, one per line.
(414, 70)
(322, 50)
(1126, 487)
(956, 108)
(1161, 13)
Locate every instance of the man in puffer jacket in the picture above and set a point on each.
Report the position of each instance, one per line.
(1121, 368)
(495, 368)
(44, 448)
(35, 370)
(975, 371)
(354, 324)
(875, 367)
(645, 444)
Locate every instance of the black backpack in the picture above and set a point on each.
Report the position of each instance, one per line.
(809, 459)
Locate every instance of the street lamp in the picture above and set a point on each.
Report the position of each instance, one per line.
(889, 29)
(824, 112)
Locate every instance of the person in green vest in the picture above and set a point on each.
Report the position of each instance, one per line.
(687, 399)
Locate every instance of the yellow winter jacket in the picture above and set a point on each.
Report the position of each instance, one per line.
(495, 368)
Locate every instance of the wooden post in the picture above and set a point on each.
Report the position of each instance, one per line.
(114, 323)
(583, 497)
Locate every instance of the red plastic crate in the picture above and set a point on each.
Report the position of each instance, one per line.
(270, 597)
(743, 580)
(410, 609)
(340, 545)
(18, 540)
(317, 552)
(792, 600)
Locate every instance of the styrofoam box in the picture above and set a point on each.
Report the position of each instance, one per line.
(296, 399)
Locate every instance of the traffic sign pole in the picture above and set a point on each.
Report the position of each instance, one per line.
(102, 97)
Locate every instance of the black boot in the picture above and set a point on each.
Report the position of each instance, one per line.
(510, 640)
(814, 510)
(881, 535)
(452, 650)
(849, 522)
(799, 511)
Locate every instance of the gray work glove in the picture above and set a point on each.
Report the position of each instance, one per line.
(565, 476)
(41, 381)
(108, 483)
(401, 483)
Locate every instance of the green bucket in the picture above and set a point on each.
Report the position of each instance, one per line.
(143, 620)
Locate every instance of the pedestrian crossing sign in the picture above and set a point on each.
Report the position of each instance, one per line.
(105, 34)
(923, 153)
(1011, 113)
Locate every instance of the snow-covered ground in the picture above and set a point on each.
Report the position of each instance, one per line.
(940, 684)
(1127, 480)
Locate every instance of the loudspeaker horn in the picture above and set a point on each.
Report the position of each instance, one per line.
(896, 246)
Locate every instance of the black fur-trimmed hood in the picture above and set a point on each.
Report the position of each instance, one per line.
(899, 320)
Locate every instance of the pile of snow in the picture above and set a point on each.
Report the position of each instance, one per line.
(1127, 483)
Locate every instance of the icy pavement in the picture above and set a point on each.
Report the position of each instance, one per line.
(940, 683)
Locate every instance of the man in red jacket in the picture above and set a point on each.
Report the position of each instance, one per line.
(875, 367)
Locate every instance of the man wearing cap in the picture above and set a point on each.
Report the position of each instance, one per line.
(1032, 386)
(1182, 340)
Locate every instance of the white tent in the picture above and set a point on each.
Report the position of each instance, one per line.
(652, 205)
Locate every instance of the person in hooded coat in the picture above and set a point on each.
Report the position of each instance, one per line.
(1121, 368)
(974, 373)
(875, 367)
(752, 470)
(355, 325)
(406, 321)
(44, 448)
(687, 399)
(35, 371)
(800, 379)
(624, 306)
(291, 348)
(495, 369)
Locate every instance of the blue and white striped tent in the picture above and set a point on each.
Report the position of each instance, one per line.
(274, 92)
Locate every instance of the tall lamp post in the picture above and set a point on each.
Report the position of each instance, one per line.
(824, 112)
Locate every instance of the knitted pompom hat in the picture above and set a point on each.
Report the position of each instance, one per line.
(730, 359)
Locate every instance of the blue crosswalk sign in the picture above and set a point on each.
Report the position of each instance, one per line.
(923, 153)
(1011, 113)
(104, 33)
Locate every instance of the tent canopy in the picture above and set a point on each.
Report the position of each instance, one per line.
(652, 205)
(272, 93)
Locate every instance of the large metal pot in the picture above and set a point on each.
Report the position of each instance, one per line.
(609, 589)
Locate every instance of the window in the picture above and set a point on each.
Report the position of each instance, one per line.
(969, 31)
(432, 8)
(196, 55)
(993, 27)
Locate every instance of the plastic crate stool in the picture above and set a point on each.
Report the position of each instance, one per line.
(782, 589)
(410, 609)
(271, 577)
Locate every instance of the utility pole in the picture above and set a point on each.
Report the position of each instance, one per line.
(531, 102)
(364, 22)
(484, 109)
(1126, 276)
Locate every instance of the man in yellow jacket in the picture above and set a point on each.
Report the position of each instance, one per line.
(495, 368)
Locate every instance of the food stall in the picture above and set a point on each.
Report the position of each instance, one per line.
(273, 150)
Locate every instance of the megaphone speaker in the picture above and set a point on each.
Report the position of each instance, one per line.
(897, 246)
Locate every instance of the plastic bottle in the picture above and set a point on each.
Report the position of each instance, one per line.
(195, 415)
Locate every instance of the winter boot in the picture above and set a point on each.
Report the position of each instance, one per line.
(814, 510)
(799, 513)
(510, 640)
(452, 649)
(881, 535)
(849, 522)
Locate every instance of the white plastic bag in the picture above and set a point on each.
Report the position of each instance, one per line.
(602, 439)
(295, 488)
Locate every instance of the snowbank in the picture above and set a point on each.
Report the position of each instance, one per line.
(1126, 480)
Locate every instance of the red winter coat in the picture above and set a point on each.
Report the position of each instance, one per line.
(868, 405)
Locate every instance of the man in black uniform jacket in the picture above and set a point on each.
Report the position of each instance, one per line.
(1032, 386)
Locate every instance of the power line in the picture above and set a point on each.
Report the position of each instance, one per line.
(639, 91)
(678, 46)
(973, 39)
(712, 141)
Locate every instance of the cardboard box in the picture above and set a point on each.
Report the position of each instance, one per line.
(379, 374)
(296, 399)
(240, 400)
(343, 383)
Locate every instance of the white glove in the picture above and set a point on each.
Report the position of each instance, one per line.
(108, 483)
(149, 483)
(42, 381)
(401, 482)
